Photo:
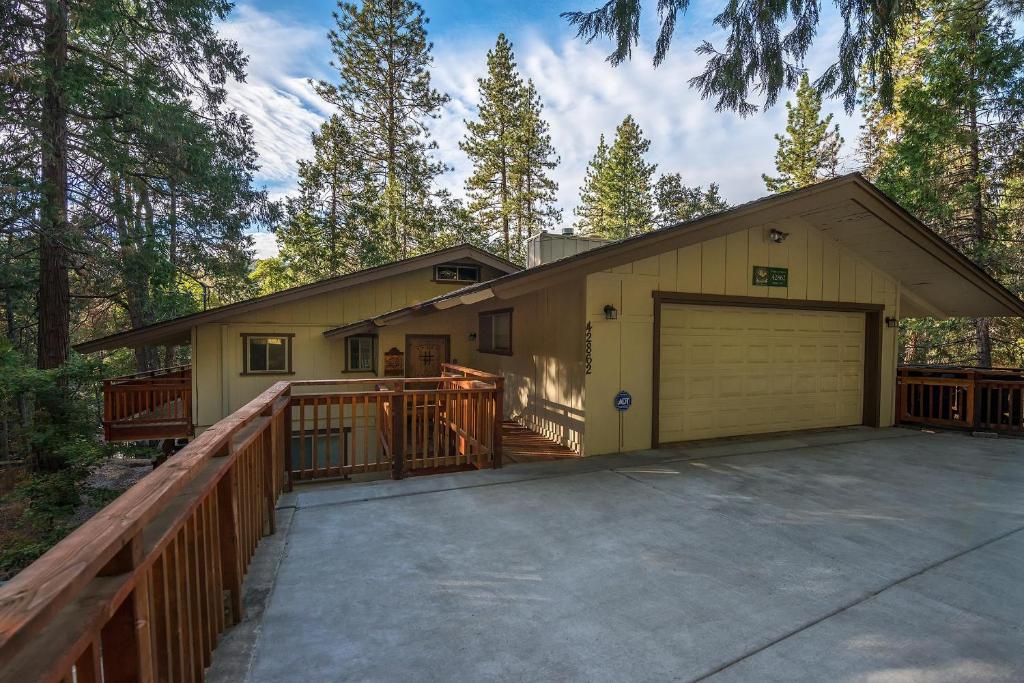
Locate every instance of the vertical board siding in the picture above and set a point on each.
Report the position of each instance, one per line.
(819, 270)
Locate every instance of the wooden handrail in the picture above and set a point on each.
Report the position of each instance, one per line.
(178, 370)
(109, 597)
(92, 586)
(965, 398)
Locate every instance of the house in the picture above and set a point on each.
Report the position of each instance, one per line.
(776, 315)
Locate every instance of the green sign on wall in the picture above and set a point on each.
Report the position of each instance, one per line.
(766, 276)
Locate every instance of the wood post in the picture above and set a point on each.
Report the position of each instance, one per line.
(126, 639)
(398, 432)
(287, 419)
(269, 447)
(230, 551)
(499, 418)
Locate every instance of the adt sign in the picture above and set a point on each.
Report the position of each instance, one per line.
(623, 401)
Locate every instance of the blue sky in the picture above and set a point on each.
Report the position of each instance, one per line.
(583, 95)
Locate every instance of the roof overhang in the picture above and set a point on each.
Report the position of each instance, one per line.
(935, 279)
(178, 330)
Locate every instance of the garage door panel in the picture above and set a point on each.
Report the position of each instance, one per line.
(732, 370)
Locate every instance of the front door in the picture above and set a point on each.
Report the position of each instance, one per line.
(425, 353)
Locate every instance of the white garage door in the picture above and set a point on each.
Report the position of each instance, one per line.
(730, 370)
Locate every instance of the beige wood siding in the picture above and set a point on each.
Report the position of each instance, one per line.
(622, 349)
(221, 388)
(731, 370)
(544, 376)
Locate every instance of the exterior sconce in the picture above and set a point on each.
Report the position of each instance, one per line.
(777, 236)
(610, 313)
(472, 336)
(892, 322)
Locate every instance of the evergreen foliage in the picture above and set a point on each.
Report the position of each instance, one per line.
(327, 223)
(809, 151)
(766, 45)
(616, 200)
(677, 203)
(385, 99)
(511, 192)
(949, 151)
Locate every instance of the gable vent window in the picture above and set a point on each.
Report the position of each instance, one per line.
(455, 272)
(267, 353)
(495, 334)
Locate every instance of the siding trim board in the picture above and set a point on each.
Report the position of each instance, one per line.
(872, 342)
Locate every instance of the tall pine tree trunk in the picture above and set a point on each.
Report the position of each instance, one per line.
(54, 288)
(982, 326)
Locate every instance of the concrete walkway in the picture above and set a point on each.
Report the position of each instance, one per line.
(847, 555)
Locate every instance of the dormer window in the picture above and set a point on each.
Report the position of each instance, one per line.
(456, 272)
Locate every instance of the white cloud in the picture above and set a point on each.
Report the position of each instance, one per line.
(276, 96)
(583, 96)
(264, 244)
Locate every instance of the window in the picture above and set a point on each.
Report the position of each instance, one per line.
(456, 272)
(361, 353)
(495, 334)
(267, 353)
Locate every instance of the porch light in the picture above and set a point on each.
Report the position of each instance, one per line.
(610, 313)
(892, 322)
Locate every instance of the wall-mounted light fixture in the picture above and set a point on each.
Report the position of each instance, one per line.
(777, 236)
(610, 313)
(892, 322)
(472, 336)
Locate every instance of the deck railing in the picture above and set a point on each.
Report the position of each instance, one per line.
(964, 398)
(345, 427)
(148, 405)
(144, 589)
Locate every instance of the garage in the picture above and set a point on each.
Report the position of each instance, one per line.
(734, 369)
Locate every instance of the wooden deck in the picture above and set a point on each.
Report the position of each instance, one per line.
(522, 444)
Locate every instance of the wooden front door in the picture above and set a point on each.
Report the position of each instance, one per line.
(425, 353)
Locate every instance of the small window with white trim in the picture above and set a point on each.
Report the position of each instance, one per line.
(361, 353)
(267, 354)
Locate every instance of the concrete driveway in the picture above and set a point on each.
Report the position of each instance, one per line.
(849, 555)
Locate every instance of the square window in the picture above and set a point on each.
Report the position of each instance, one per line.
(267, 353)
(360, 353)
(495, 333)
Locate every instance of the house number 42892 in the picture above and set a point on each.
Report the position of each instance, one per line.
(589, 347)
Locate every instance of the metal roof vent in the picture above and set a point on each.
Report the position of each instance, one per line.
(567, 231)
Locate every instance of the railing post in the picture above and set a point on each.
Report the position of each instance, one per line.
(499, 417)
(287, 415)
(269, 446)
(973, 401)
(126, 640)
(108, 409)
(230, 552)
(398, 431)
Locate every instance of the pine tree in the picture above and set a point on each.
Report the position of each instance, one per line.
(491, 143)
(326, 222)
(534, 158)
(678, 203)
(616, 199)
(385, 99)
(766, 42)
(809, 152)
(511, 192)
(590, 212)
(951, 156)
(135, 173)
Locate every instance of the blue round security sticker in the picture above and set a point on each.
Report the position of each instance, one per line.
(623, 401)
